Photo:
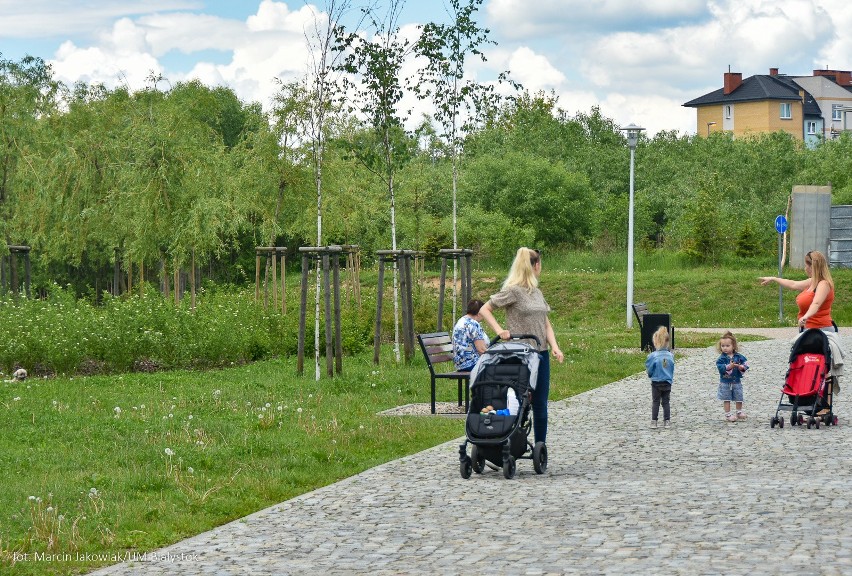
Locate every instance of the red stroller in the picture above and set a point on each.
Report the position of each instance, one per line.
(806, 385)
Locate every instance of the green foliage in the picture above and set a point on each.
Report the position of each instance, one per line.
(747, 242)
(62, 335)
(163, 175)
(534, 193)
(704, 220)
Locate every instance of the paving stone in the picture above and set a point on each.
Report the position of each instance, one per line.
(618, 498)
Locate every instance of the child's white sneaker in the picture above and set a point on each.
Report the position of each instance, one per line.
(731, 417)
(653, 424)
(667, 425)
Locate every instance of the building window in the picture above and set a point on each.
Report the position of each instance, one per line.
(812, 127)
(786, 110)
(728, 112)
(836, 112)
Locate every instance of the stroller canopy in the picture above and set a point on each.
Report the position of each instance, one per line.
(508, 352)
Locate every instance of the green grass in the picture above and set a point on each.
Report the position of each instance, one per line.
(243, 438)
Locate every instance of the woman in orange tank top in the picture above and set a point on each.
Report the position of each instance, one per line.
(816, 292)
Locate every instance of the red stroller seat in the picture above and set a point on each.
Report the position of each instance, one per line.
(807, 381)
(806, 376)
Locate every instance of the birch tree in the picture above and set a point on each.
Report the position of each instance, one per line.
(374, 68)
(459, 101)
(324, 93)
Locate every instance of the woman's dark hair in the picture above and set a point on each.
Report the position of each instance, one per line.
(535, 256)
(473, 307)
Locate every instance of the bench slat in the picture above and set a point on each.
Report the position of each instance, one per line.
(439, 349)
(438, 358)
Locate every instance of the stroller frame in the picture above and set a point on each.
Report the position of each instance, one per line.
(805, 408)
(511, 442)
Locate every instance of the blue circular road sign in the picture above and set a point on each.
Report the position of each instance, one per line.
(781, 224)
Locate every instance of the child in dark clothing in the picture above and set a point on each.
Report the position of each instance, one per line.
(660, 368)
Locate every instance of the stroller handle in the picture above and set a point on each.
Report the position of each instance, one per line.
(519, 337)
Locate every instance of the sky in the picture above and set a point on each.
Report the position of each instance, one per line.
(637, 60)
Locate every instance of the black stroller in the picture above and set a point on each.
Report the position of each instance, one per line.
(807, 384)
(499, 440)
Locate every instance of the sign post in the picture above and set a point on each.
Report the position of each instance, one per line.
(780, 227)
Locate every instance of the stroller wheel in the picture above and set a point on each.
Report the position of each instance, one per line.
(773, 421)
(466, 468)
(478, 459)
(816, 423)
(834, 421)
(780, 421)
(509, 468)
(810, 422)
(540, 457)
(801, 419)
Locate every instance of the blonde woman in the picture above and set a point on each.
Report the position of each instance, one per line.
(527, 313)
(816, 293)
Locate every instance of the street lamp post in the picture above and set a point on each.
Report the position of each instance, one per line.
(708, 127)
(632, 139)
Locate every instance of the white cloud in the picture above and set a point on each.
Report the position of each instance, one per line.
(521, 19)
(533, 70)
(44, 18)
(187, 33)
(98, 66)
(267, 45)
(639, 60)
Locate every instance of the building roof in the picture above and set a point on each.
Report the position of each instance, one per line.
(753, 89)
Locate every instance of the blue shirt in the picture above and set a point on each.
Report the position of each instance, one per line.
(660, 366)
(465, 333)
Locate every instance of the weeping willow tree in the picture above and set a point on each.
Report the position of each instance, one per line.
(28, 93)
(150, 173)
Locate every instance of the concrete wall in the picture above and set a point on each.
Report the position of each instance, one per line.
(840, 249)
(810, 223)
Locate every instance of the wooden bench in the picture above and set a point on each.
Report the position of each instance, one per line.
(648, 324)
(438, 350)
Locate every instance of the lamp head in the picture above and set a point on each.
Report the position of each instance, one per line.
(632, 135)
